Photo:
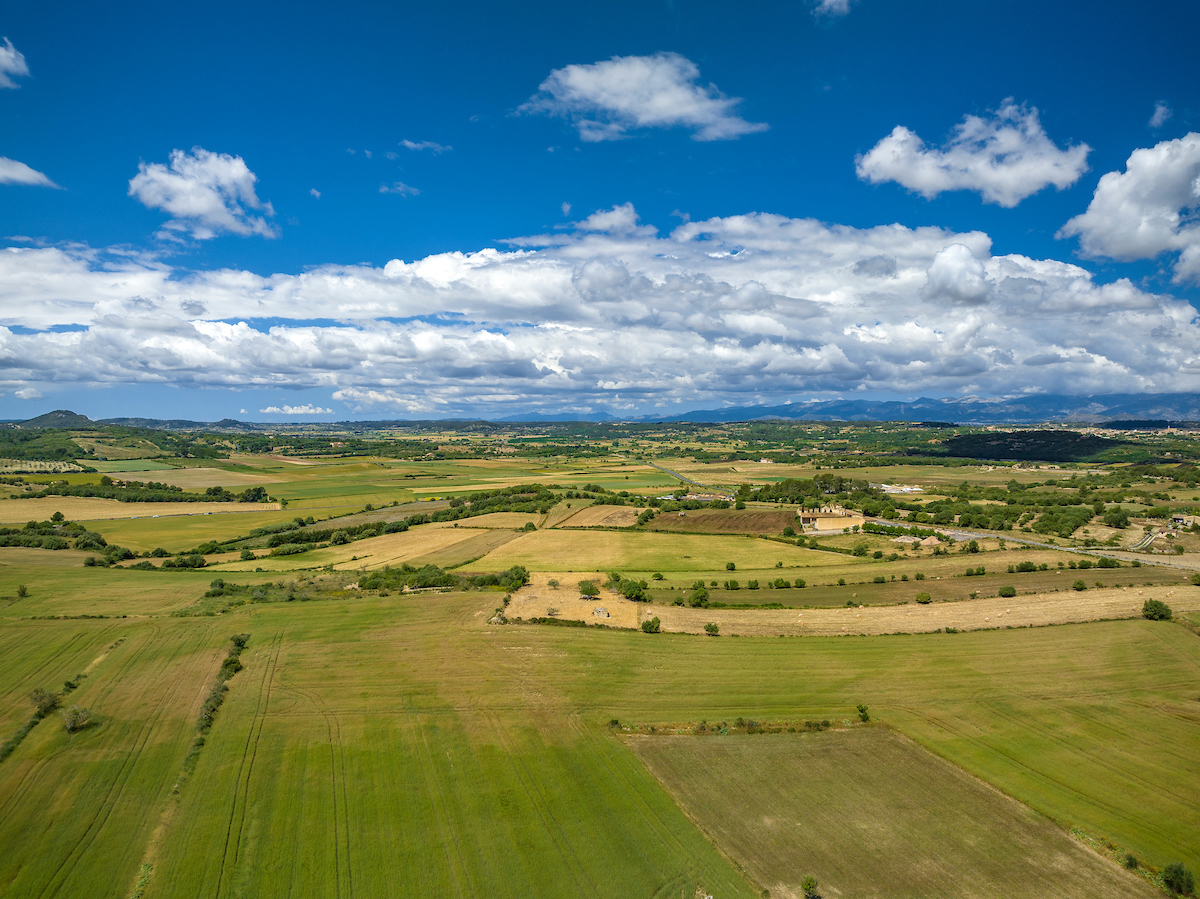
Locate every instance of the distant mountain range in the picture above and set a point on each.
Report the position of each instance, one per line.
(1144, 407)
(971, 409)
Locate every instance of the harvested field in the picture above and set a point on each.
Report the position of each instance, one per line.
(193, 478)
(602, 516)
(390, 513)
(537, 598)
(139, 466)
(725, 521)
(510, 520)
(88, 508)
(374, 552)
(871, 814)
(27, 557)
(1033, 610)
(646, 551)
(561, 513)
(482, 543)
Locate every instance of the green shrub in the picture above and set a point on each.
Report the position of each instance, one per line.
(712, 630)
(729, 566)
(862, 713)
(924, 598)
(1008, 591)
(652, 626)
(879, 579)
(1178, 879)
(44, 702)
(1079, 585)
(1156, 610)
(587, 588)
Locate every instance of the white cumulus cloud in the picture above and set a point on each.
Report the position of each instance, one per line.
(956, 275)
(205, 193)
(1148, 209)
(306, 409)
(605, 100)
(1006, 158)
(12, 65)
(13, 172)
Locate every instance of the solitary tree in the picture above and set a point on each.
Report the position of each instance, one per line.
(862, 713)
(75, 717)
(809, 885)
(1156, 610)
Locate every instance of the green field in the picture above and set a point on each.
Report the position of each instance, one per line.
(385, 731)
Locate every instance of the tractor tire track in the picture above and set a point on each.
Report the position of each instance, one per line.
(129, 762)
(583, 883)
(16, 795)
(337, 773)
(237, 813)
(449, 839)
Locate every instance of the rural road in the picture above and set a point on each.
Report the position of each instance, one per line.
(676, 475)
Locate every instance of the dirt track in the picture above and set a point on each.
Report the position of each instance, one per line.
(1068, 606)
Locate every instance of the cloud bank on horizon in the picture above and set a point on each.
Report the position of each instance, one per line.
(610, 314)
(748, 304)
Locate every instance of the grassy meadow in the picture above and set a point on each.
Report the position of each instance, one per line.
(394, 743)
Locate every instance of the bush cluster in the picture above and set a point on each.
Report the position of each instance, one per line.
(426, 576)
(1156, 610)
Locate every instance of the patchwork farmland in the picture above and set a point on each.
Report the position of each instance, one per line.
(427, 702)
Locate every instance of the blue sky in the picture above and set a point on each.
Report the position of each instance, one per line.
(427, 210)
